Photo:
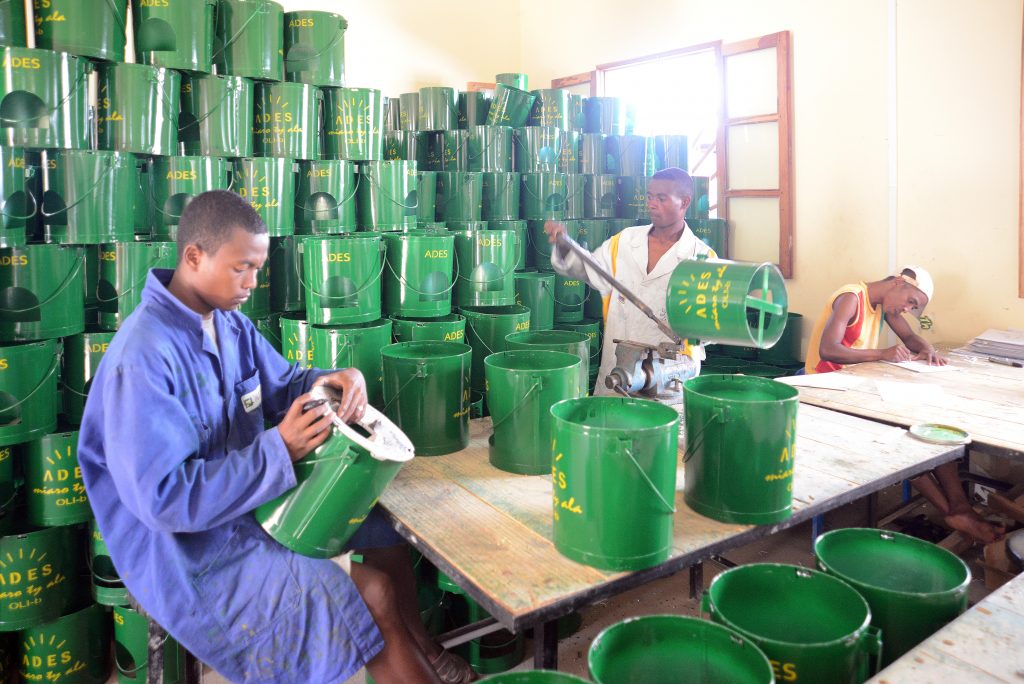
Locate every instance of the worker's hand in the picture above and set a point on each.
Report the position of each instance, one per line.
(352, 386)
(303, 431)
(897, 354)
(554, 229)
(932, 357)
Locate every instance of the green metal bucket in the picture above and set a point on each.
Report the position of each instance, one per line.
(296, 343)
(54, 492)
(450, 328)
(485, 262)
(174, 182)
(813, 627)
(124, 267)
(437, 109)
(353, 124)
(406, 146)
(270, 328)
(388, 195)
(107, 587)
(575, 195)
(314, 48)
(787, 349)
(500, 196)
(355, 346)
(257, 305)
(490, 149)
(74, 649)
(591, 234)
(522, 241)
(629, 153)
(426, 197)
(19, 199)
(268, 183)
(593, 154)
(138, 109)
(569, 161)
(409, 111)
(550, 108)
(565, 341)
(576, 107)
(740, 442)
(592, 329)
(44, 99)
(538, 149)
(286, 120)
(543, 196)
(40, 576)
(285, 265)
(913, 587)
(671, 151)
(712, 232)
(517, 80)
(473, 109)
(41, 292)
(325, 200)
(88, 29)
(392, 115)
(540, 248)
(700, 206)
(131, 650)
(570, 294)
(28, 391)
(82, 354)
(418, 275)
(534, 677)
(632, 191)
(600, 196)
(727, 302)
(216, 115)
(341, 274)
(426, 393)
(613, 476)
(455, 150)
(175, 34)
(459, 196)
(536, 291)
(521, 388)
(510, 106)
(429, 150)
(12, 31)
(249, 39)
(605, 115)
(85, 196)
(670, 649)
(486, 330)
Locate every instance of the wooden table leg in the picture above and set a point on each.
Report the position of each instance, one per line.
(193, 669)
(545, 645)
(696, 580)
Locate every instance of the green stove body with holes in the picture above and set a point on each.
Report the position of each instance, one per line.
(131, 652)
(354, 346)
(174, 182)
(41, 292)
(82, 354)
(418, 273)
(124, 267)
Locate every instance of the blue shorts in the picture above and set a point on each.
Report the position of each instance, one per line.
(376, 532)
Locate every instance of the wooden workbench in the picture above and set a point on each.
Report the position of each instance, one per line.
(984, 398)
(491, 531)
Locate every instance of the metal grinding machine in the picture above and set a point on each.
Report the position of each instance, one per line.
(707, 301)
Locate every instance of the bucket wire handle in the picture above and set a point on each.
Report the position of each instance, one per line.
(334, 41)
(717, 415)
(4, 121)
(426, 294)
(503, 276)
(535, 196)
(413, 206)
(643, 473)
(566, 304)
(53, 369)
(558, 153)
(522, 402)
(96, 575)
(263, 8)
(132, 672)
(160, 255)
(469, 324)
(871, 652)
(87, 194)
(342, 202)
(53, 295)
(418, 374)
(230, 91)
(151, 198)
(359, 290)
(35, 207)
(117, 15)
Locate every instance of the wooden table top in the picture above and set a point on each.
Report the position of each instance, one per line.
(491, 531)
(984, 398)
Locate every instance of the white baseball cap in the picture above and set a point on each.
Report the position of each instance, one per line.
(922, 280)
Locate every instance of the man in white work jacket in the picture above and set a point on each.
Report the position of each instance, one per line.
(642, 258)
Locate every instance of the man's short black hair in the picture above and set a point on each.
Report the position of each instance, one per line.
(680, 179)
(210, 217)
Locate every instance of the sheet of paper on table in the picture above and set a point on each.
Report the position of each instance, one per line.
(909, 393)
(831, 381)
(922, 367)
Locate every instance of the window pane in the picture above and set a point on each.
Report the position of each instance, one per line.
(754, 229)
(753, 156)
(751, 83)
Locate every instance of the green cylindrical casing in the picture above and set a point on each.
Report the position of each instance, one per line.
(657, 649)
(459, 196)
(45, 99)
(426, 393)
(286, 120)
(124, 267)
(41, 292)
(733, 420)
(550, 108)
(592, 329)
(107, 587)
(268, 183)
(539, 245)
(486, 330)
(82, 354)
(418, 273)
(74, 649)
(216, 115)
(628, 153)
(510, 106)
(138, 109)
(593, 155)
(19, 199)
(388, 195)
(12, 24)
(490, 148)
(569, 160)
(591, 233)
(522, 239)
(455, 150)
(285, 275)
(353, 124)
(570, 294)
(536, 291)
(576, 107)
(712, 232)
(700, 206)
(500, 196)
(28, 392)
(811, 626)
(473, 109)
(604, 115)
(913, 587)
(173, 183)
(450, 328)
(727, 302)
(485, 261)
(175, 34)
(409, 111)
(296, 343)
(131, 650)
(392, 115)
(85, 197)
(314, 48)
(325, 200)
(671, 151)
(787, 349)
(54, 492)
(522, 386)
(567, 341)
(43, 565)
(355, 346)
(341, 274)
(538, 149)
(543, 196)
(89, 29)
(249, 39)
(437, 109)
(575, 196)
(426, 198)
(257, 305)
(614, 474)
(406, 146)
(270, 328)
(632, 198)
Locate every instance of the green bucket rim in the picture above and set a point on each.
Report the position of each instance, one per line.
(534, 677)
(556, 337)
(566, 406)
(447, 318)
(347, 327)
(431, 349)
(546, 360)
(696, 387)
(478, 312)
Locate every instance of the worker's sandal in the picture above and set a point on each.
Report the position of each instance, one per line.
(451, 669)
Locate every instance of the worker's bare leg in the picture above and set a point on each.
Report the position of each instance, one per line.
(942, 488)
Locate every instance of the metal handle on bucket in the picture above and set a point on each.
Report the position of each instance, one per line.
(53, 295)
(643, 473)
(418, 374)
(363, 288)
(522, 402)
(392, 198)
(261, 9)
(500, 278)
(334, 41)
(427, 294)
(88, 193)
(348, 199)
(131, 673)
(51, 371)
(230, 91)
(74, 89)
(719, 414)
(35, 208)
(140, 281)
(871, 653)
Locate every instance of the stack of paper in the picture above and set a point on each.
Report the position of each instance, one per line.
(1004, 344)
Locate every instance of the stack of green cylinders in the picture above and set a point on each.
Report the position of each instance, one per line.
(268, 183)
(287, 120)
(387, 195)
(325, 200)
(216, 115)
(353, 124)
(551, 108)
(314, 48)
(354, 346)
(418, 273)
(437, 109)
(409, 111)
(485, 261)
(249, 39)
(86, 203)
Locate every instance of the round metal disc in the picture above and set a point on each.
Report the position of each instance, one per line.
(937, 433)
